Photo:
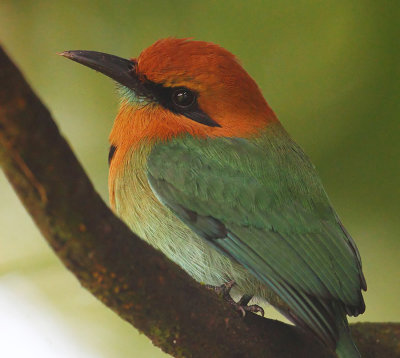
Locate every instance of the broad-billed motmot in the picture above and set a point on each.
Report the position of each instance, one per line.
(201, 168)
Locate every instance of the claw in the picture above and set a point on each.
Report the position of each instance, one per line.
(224, 289)
(254, 309)
(240, 306)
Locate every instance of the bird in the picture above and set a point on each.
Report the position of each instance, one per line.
(201, 168)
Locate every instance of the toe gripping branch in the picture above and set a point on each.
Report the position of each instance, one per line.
(242, 305)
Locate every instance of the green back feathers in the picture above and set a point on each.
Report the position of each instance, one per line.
(260, 202)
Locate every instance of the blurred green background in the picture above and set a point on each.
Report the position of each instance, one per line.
(329, 69)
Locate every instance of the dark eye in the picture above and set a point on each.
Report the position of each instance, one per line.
(182, 97)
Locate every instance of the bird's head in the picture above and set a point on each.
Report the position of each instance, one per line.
(179, 86)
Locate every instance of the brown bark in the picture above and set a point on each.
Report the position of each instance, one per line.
(136, 281)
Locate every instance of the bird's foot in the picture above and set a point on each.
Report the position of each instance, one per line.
(242, 305)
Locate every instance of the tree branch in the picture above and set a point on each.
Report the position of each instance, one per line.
(125, 273)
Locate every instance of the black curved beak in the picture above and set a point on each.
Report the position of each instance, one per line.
(117, 68)
(124, 72)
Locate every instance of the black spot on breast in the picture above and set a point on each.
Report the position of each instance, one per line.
(111, 153)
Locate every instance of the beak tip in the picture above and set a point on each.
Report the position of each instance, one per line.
(117, 68)
(65, 54)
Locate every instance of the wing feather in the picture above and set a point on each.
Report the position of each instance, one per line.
(260, 202)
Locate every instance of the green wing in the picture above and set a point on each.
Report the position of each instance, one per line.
(261, 202)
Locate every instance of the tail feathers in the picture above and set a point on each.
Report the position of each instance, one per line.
(345, 347)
